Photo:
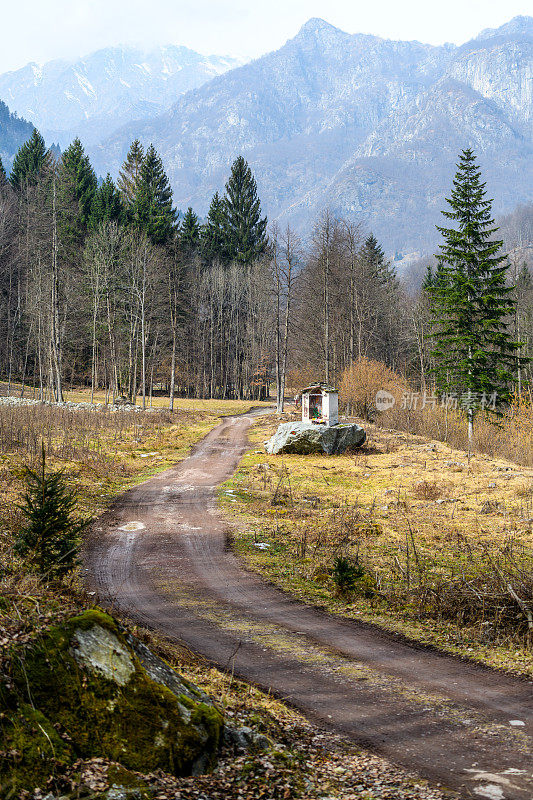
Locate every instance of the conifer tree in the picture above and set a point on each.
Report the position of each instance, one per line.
(474, 351)
(130, 173)
(77, 180)
(3, 176)
(30, 161)
(76, 188)
(428, 280)
(107, 204)
(189, 232)
(245, 229)
(373, 256)
(152, 210)
(49, 537)
(377, 299)
(213, 235)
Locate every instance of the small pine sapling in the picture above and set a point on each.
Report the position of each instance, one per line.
(49, 537)
(346, 574)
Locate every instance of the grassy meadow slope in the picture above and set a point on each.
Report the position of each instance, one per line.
(440, 542)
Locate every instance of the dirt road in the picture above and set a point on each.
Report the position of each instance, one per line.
(159, 555)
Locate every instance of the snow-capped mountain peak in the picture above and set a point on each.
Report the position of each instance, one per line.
(91, 96)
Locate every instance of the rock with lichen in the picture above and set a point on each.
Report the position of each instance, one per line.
(304, 438)
(88, 689)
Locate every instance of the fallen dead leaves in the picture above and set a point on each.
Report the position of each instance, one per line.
(313, 765)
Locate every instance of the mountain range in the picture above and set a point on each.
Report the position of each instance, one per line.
(369, 127)
(94, 95)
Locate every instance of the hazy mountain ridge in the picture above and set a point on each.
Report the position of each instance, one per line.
(14, 131)
(324, 89)
(368, 126)
(93, 95)
(413, 153)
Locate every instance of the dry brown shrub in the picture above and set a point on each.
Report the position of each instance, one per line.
(428, 490)
(362, 380)
(509, 437)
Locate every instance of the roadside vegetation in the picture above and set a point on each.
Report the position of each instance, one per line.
(103, 453)
(284, 757)
(424, 413)
(407, 532)
(511, 438)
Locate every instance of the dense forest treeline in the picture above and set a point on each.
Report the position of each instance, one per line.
(107, 286)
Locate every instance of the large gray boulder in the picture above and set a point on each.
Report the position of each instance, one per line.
(305, 437)
(88, 689)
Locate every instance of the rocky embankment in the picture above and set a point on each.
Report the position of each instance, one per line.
(120, 405)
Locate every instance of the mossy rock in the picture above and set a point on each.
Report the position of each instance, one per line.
(125, 779)
(31, 750)
(108, 696)
(124, 785)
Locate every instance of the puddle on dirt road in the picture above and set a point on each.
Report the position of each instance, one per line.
(492, 785)
(132, 526)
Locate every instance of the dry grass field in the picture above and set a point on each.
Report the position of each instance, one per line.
(442, 544)
(510, 438)
(102, 454)
(219, 407)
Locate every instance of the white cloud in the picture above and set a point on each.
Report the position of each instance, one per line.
(40, 30)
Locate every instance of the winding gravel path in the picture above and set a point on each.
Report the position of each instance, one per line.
(159, 556)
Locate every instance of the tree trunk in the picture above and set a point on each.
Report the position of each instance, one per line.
(55, 326)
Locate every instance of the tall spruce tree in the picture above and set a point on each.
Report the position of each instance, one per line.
(30, 161)
(3, 176)
(213, 236)
(245, 229)
(373, 258)
(189, 232)
(474, 351)
(428, 280)
(76, 188)
(377, 300)
(107, 204)
(130, 173)
(152, 211)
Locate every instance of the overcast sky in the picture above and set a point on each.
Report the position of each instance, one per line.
(39, 30)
